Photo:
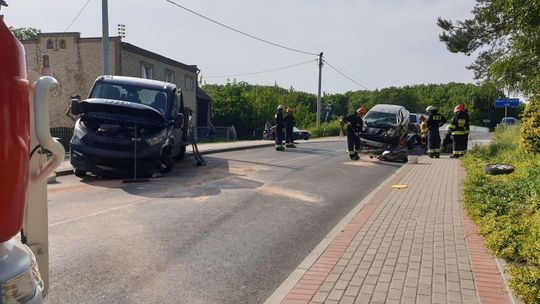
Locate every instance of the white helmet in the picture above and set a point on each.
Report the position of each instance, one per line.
(430, 108)
(280, 107)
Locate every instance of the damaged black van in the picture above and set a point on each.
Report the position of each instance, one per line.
(129, 123)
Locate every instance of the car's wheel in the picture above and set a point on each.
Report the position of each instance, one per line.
(79, 173)
(497, 169)
(167, 161)
(182, 153)
(306, 137)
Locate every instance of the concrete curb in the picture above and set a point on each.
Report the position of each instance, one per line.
(281, 292)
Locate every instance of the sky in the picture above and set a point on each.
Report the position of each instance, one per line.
(377, 43)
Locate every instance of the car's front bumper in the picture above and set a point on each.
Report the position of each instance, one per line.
(115, 163)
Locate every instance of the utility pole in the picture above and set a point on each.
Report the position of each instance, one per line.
(105, 35)
(319, 93)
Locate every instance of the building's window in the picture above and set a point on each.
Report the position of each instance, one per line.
(188, 83)
(147, 70)
(62, 44)
(45, 58)
(169, 76)
(50, 44)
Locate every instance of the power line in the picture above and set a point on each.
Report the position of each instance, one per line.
(238, 31)
(343, 74)
(78, 14)
(264, 71)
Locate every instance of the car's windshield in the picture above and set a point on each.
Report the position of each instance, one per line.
(157, 99)
(380, 119)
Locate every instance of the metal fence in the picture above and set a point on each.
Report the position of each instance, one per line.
(220, 134)
(64, 135)
(202, 134)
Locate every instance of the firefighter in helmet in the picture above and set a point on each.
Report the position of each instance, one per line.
(423, 129)
(460, 130)
(280, 124)
(289, 125)
(355, 125)
(434, 122)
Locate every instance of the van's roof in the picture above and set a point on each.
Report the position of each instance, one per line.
(149, 83)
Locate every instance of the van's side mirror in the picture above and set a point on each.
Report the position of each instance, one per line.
(179, 120)
(74, 107)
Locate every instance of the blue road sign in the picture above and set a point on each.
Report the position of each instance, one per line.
(506, 103)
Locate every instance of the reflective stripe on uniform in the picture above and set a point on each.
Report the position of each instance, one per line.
(352, 152)
(460, 132)
(434, 150)
(458, 152)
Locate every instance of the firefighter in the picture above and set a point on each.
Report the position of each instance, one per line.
(434, 122)
(280, 124)
(355, 125)
(289, 125)
(460, 130)
(423, 129)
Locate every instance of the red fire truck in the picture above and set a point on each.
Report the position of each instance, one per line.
(28, 155)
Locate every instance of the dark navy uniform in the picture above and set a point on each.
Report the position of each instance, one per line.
(355, 124)
(434, 122)
(280, 124)
(290, 122)
(460, 133)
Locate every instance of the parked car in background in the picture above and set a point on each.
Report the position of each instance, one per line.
(509, 121)
(385, 126)
(297, 134)
(301, 134)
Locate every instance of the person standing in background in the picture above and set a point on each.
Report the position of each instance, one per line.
(289, 125)
(280, 124)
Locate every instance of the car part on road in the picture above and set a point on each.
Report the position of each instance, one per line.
(498, 169)
(198, 156)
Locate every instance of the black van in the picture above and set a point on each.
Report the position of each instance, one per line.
(129, 123)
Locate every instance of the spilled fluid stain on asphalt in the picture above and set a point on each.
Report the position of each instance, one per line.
(290, 194)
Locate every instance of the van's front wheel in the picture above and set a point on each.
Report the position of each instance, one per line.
(167, 161)
(79, 173)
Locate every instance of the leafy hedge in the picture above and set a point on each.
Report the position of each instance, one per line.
(530, 133)
(329, 129)
(507, 208)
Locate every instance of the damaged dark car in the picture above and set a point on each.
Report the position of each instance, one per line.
(129, 126)
(385, 127)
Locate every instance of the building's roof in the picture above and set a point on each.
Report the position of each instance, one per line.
(201, 94)
(125, 46)
(137, 50)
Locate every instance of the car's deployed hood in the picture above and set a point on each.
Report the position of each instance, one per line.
(95, 105)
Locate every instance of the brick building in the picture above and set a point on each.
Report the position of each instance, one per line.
(76, 62)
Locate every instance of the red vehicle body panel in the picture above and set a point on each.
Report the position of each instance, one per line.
(14, 133)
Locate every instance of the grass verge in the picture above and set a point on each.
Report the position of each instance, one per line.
(506, 208)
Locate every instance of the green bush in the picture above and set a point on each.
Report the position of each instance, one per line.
(506, 208)
(530, 131)
(329, 129)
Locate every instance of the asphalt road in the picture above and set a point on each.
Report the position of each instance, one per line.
(230, 232)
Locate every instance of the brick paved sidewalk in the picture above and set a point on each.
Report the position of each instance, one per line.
(412, 245)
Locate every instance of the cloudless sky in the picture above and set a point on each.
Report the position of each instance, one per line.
(378, 43)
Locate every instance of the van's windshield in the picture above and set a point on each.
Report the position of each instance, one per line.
(156, 99)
